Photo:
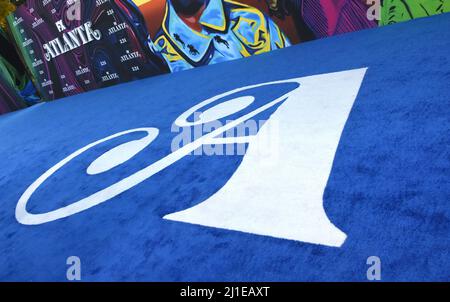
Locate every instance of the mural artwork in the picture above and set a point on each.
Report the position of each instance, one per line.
(14, 84)
(201, 32)
(74, 48)
(10, 100)
(395, 11)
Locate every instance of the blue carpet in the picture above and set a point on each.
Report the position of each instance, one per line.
(389, 188)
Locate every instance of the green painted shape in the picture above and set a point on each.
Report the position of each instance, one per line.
(395, 11)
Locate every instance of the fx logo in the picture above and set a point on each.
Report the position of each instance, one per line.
(282, 201)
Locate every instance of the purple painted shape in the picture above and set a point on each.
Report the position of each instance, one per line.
(331, 17)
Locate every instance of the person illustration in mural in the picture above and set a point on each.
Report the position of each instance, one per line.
(323, 18)
(202, 32)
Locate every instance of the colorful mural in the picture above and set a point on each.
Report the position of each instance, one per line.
(15, 86)
(323, 18)
(74, 46)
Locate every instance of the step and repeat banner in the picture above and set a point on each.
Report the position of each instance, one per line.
(13, 77)
(71, 46)
(74, 46)
(10, 100)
